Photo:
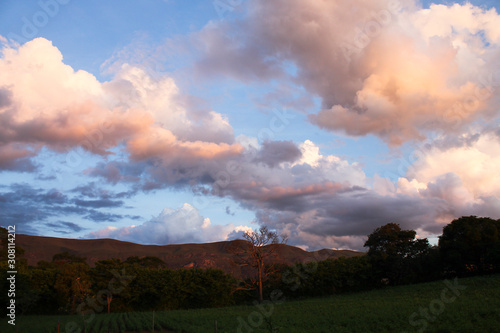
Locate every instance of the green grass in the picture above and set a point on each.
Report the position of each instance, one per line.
(393, 309)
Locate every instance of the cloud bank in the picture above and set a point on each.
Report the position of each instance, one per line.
(46, 103)
(413, 77)
(385, 67)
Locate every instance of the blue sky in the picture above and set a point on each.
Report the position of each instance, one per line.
(172, 121)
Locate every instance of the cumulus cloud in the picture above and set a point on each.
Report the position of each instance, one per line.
(291, 196)
(449, 178)
(45, 103)
(183, 225)
(463, 175)
(325, 201)
(388, 68)
(476, 163)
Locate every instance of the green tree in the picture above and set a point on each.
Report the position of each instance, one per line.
(471, 244)
(393, 252)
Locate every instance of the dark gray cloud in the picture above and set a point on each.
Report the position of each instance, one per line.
(273, 153)
(117, 171)
(94, 191)
(63, 227)
(450, 142)
(360, 214)
(99, 203)
(155, 173)
(32, 208)
(97, 216)
(90, 190)
(344, 220)
(228, 211)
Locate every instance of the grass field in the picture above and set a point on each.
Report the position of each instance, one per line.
(464, 305)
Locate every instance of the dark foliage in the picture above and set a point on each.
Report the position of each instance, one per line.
(469, 245)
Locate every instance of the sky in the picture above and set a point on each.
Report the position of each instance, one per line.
(170, 121)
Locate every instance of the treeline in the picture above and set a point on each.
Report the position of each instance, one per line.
(468, 246)
(68, 285)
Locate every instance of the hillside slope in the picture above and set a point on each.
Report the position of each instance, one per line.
(207, 255)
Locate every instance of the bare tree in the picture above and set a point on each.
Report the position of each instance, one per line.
(259, 245)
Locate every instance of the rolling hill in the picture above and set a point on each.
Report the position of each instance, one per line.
(206, 255)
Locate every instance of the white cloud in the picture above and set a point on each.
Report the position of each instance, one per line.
(183, 225)
(477, 165)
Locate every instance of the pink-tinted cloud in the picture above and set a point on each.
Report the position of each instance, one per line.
(16, 157)
(383, 67)
(45, 103)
